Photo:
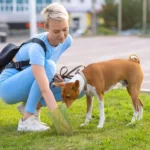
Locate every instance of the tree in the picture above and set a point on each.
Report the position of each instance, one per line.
(131, 13)
(109, 13)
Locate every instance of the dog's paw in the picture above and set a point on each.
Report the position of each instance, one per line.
(83, 124)
(100, 126)
(139, 118)
(128, 124)
(131, 123)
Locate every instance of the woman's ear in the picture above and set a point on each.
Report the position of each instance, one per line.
(45, 26)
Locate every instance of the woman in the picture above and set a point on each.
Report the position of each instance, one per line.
(31, 85)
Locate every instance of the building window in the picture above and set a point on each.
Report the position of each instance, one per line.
(39, 1)
(8, 1)
(45, 1)
(48, 1)
(21, 6)
(19, 1)
(41, 4)
(6, 6)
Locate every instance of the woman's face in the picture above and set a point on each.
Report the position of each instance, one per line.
(58, 31)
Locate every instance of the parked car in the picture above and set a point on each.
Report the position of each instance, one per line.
(3, 32)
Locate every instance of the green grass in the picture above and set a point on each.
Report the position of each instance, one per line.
(115, 135)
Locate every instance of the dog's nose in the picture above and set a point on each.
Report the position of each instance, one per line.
(67, 96)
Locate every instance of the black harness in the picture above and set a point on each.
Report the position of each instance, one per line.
(20, 64)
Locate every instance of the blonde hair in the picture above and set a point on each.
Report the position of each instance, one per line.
(54, 11)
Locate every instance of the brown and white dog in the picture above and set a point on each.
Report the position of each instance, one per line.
(97, 78)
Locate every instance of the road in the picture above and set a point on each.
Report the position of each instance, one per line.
(86, 50)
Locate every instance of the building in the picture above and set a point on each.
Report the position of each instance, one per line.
(80, 12)
(16, 12)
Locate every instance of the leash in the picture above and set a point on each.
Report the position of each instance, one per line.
(67, 74)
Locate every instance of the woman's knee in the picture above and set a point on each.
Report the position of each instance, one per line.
(50, 68)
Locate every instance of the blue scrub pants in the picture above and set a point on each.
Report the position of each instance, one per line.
(21, 86)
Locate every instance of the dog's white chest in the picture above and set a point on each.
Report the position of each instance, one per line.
(90, 90)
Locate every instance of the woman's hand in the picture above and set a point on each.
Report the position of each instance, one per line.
(58, 78)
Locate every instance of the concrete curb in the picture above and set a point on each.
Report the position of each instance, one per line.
(145, 90)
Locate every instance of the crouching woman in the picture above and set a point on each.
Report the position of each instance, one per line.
(31, 85)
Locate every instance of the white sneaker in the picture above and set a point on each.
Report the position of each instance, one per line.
(21, 109)
(31, 124)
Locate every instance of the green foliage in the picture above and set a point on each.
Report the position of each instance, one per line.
(105, 31)
(148, 14)
(115, 135)
(131, 14)
(109, 13)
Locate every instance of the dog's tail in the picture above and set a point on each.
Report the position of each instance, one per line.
(134, 58)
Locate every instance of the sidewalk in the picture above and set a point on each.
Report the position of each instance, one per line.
(93, 49)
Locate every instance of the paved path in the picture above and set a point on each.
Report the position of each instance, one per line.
(92, 49)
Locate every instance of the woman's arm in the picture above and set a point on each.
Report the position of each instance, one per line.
(42, 80)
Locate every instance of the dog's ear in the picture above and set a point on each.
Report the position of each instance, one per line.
(59, 84)
(76, 84)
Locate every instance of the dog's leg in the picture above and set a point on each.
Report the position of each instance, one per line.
(140, 110)
(137, 104)
(89, 100)
(135, 115)
(101, 111)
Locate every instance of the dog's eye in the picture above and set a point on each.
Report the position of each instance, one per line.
(73, 88)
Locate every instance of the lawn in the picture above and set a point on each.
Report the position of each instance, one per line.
(115, 135)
